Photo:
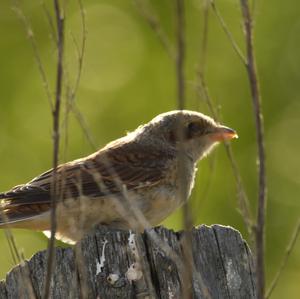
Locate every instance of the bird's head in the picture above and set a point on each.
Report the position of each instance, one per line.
(193, 132)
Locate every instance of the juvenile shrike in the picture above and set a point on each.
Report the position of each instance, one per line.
(138, 174)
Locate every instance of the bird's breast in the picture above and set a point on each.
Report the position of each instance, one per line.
(159, 203)
(163, 200)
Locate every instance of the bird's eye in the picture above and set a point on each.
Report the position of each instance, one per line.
(194, 128)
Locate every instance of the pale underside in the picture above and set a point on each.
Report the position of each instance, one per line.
(75, 217)
(129, 184)
(146, 204)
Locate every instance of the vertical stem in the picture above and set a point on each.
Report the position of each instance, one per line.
(256, 98)
(180, 53)
(284, 261)
(56, 136)
(186, 242)
(204, 42)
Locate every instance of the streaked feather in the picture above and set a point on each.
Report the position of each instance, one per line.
(94, 176)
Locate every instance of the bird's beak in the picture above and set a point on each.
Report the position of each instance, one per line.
(222, 133)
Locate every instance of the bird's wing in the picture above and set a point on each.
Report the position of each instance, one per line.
(105, 172)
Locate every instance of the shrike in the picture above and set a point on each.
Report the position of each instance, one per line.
(148, 172)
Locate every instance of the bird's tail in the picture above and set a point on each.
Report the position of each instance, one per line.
(9, 214)
(2, 195)
(14, 215)
(4, 201)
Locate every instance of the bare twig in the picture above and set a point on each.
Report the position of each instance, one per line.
(80, 50)
(180, 56)
(18, 258)
(72, 90)
(154, 23)
(10, 237)
(204, 36)
(12, 245)
(84, 126)
(56, 137)
(71, 94)
(286, 256)
(256, 100)
(228, 32)
(243, 201)
(183, 192)
(36, 52)
(50, 22)
(201, 70)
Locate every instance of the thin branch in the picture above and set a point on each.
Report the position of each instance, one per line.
(201, 199)
(56, 137)
(145, 11)
(187, 266)
(50, 22)
(9, 236)
(203, 92)
(243, 201)
(80, 50)
(71, 93)
(36, 52)
(256, 100)
(286, 256)
(84, 126)
(201, 70)
(228, 32)
(183, 192)
(12, 245)
(203, 53)
(180, 56)
(18, 257)
(204, 42)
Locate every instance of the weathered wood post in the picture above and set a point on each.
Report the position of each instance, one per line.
(121, 264)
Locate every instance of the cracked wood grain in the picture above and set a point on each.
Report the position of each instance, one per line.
(123, 264)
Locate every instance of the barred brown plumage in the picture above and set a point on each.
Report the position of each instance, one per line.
(136, 172)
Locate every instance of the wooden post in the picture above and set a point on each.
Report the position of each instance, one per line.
(122, 264)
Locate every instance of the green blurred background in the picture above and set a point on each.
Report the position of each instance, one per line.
(128, 78)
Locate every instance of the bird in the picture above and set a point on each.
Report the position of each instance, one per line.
(133, 182)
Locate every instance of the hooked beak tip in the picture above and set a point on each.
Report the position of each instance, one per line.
(223, 133)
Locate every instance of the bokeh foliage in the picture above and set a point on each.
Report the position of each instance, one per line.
(128, 78)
